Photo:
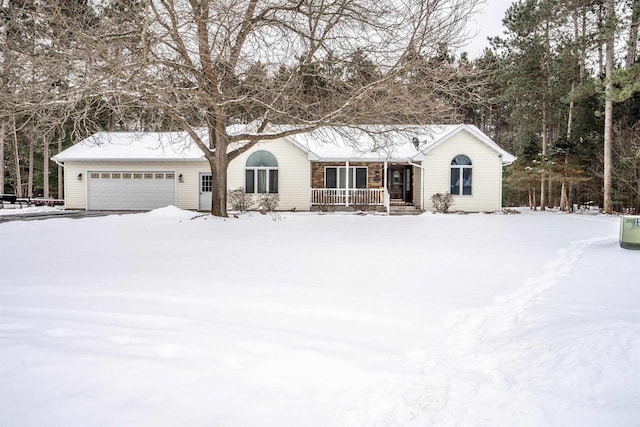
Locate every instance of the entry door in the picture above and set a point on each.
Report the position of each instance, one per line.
(396, 182)
(205, 192)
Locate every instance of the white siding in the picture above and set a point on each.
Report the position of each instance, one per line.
(294, 173)
(487, 174)
(293, 181)
(187, 192)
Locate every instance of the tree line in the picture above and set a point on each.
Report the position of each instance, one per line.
(559, 89)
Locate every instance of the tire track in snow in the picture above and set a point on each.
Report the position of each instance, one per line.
(467, 382)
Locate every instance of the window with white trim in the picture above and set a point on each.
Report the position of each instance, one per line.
(261, 173)
(335, 177)
(461, 174)
(205, 183)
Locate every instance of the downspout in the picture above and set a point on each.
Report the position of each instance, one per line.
(64, 175)
(501, 173)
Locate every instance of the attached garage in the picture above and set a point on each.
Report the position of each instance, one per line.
(130, 190)
(131, 171)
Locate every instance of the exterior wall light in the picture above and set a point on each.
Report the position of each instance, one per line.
(180, 178)
(80, 177)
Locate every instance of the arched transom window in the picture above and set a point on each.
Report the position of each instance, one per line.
(461, 174)
(261, 173)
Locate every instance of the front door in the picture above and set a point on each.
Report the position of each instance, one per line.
(400, 183)
(396, 182)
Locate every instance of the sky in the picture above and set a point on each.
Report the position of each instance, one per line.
(487, 23)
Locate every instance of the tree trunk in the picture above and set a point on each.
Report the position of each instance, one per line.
(601, 20)
(564, 197)
(45, 167)
(608, 107)
(633, 35)
(219, 164)
(111, 121)
(30, 176)
(2, 157)
(543, 199)
(60, 173)
(19, 192)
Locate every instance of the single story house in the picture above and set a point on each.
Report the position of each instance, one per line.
(339, 167)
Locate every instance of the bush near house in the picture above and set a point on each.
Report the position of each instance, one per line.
(268, 202)
(239, 199)
(442, 202)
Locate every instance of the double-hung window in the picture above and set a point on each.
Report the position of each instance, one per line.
(261, 173)
(461, 174)
(336, 177)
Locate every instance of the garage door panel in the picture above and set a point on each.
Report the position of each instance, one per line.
(130, 190)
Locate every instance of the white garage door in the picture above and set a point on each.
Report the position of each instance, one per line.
(130, 190)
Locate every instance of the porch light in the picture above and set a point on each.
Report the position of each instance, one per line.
(80, 177)
(376, 174)
(180, 178)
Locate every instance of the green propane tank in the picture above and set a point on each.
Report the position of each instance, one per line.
(630, 232)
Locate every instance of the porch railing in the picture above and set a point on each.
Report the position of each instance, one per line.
(338, 196)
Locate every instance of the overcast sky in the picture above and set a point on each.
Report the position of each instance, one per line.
(486, 23)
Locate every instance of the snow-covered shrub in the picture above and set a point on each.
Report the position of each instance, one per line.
(239, 199)
(268, 201)
(442, 202)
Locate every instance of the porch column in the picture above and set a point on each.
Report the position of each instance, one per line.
(346, 184)
(384, 186)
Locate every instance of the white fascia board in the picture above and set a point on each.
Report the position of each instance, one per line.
(361, 159)
(505, 156)
(127, 160)
(310, 154)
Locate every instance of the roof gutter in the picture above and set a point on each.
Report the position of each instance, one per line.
(115, 159)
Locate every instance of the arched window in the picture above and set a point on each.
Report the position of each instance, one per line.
(261, 173)
(461, 171)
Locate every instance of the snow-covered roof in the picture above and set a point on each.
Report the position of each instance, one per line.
(133, 146)
(371, 142)
(377, 142)
(364, 143)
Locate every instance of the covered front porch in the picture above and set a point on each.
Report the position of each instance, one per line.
(365, 185)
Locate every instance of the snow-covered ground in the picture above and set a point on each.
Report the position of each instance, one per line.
(159, 319)
(9, 209)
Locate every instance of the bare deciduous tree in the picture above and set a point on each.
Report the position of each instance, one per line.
(209, 65)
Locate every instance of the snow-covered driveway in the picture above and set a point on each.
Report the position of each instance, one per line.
(158, 319)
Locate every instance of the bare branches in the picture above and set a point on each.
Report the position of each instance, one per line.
(190, 63)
